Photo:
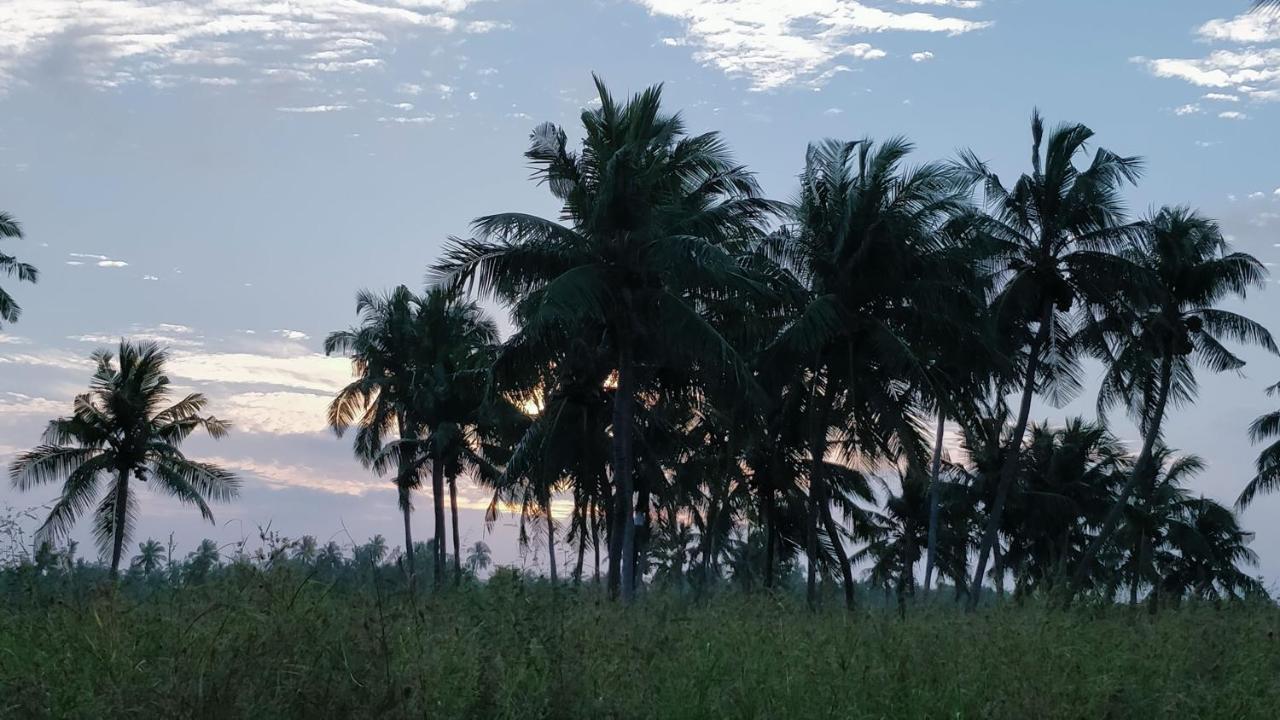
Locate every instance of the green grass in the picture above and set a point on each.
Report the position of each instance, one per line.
(278, 646)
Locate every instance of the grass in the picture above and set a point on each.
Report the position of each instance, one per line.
(279, 645)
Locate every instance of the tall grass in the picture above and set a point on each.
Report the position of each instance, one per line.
(280, 644)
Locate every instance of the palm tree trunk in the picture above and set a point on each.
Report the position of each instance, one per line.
(453, 513)
(405, 510)
(402, 484)
(1142, 470)
(582, 550)
(1010, 470)
(437, 491)
(551, 538)
(623, 403)
(119, 522)
(934, 509)
(817, 485)
(1133, 569)
(595, 541)
(771, 535)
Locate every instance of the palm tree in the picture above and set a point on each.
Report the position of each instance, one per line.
(865, 242)
(202, 560)
(123, 429)
(380, 401)
(1049, 239)
(1267, 478)
(1153, 344)
(647, 211)
(479, 557)
(9, 265)
(149, 557)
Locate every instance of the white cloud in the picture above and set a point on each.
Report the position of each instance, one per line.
(88, 256)
(1207, 143)
(150, 277)
(1254, 27)
(1251, 69)
(1233, 115)
(74, 262)
(12, 403)
(112, 264)
(293, 335)
(409, 89)
(402, 106)
(306, 372)
(832, 111)
(313, 108)
(922, 56)
(444, 90)
(962, 4)
(1256, 195)
(1190, 109)
(776, 43)
(284, 475)
(404, 120)
(484, 26)
(275, 413)
(1277, 192)
(117, 42)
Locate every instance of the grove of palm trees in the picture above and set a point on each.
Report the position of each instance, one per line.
(784, 457)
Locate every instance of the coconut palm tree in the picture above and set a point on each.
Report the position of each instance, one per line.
(1267, 478)
(1050, 238)
(122, 430)
(1152, 344)
(865, 241)
(150, 556)
(479, 557)
(380, 401)
(9, 265)
(647, 211)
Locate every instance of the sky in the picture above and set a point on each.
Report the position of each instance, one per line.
(223, 176)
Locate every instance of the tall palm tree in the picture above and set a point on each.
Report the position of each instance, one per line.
(1267, 478)
(646, 211)
(865, 242)
(479, 557)
(123, 429)
(1050, 236)
(380, 401)
(150, 556)
(9, 265)
(1152, 344)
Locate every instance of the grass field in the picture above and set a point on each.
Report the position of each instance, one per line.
(279, 645)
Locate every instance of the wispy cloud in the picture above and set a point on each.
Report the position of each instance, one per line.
(118, 42)
(313, 108)
(1233, 115)
(1250, 69)
(779, 43)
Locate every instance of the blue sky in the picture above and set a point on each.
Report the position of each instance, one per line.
(223, 175)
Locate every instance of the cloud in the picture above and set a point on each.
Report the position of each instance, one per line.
(285, 475)
(118, 42)
(101, 260)
(313, 109)
(1251, 69)
(405, 120)
(1233, 115)
(1190, 109)
(774, 44)
(293, 335)
(12, 403)
(922, 56)
(1254, 27)
(150, 277)
(962, 4)
(313, 372)
(484, 26)
(275, 413)
(409, 89)
(832, 111)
